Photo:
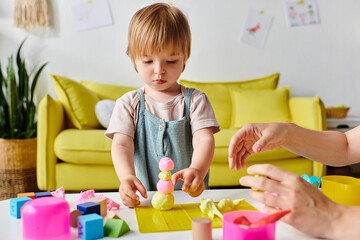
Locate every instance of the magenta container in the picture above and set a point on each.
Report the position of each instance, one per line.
(232, 231)
(46, 218)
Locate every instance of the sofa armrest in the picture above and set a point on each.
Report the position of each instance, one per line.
(309, 113)
(51, 120)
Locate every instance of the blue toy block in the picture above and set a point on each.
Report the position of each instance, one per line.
(43, 194)
(89, 207)
(16, 204)
(90, 226)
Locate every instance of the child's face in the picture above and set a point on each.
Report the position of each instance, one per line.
(160, 71)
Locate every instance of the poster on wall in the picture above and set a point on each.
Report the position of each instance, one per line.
(256, 28)
(301, 13)
(91, 14)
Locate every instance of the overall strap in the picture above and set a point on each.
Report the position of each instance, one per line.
(187, 103)
(141, 100)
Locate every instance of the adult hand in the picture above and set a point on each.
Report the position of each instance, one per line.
(128, 187)
(253, 138)
(312, 212)
(193, 182)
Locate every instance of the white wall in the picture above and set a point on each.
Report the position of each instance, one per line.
(313, 60)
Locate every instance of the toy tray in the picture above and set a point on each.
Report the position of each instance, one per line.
(178, 218)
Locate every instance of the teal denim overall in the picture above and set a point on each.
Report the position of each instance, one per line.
(155, 139)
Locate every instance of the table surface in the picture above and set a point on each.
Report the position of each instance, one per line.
(10, 227)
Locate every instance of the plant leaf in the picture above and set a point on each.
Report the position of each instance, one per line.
(34, 82)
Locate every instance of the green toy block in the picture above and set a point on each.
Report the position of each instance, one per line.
(115, 228)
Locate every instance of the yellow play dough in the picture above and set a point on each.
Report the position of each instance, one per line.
(165, 175)
(163, 201)
(254, 188)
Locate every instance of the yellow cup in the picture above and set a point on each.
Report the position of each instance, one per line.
(342, 189)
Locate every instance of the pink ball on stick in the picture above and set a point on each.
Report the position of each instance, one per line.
(166, 164)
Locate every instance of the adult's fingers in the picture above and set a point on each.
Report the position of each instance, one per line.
(265, 184)
(270, 171)
(268, 199)
(236, 142)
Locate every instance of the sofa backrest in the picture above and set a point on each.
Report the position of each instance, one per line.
(219, 93)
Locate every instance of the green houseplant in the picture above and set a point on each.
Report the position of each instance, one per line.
(17, 127)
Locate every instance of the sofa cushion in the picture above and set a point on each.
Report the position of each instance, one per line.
(258, 106)
(222, 140)
(107, 91)
(83, 147)
(78, 101)
(219, 93)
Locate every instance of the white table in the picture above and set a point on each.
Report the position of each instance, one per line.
(10, 228)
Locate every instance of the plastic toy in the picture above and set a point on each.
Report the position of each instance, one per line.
(43, 194)
(90, 226)
(46, 218)
(342, 189)
(89, 207)
(101, 202)
(115, 228)
(232, 230)
(244, 222)
(16, 204)
(201, 229)
(91, 194)
(313, 180)
(110, 215)
(74, 214)
(28, 194)
(163, 198)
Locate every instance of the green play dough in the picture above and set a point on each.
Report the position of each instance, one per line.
(115, 228)
(340, 106)
(163, 201)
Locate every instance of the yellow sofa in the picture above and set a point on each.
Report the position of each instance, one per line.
(73, 153)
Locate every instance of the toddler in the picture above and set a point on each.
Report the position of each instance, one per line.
(163, 118)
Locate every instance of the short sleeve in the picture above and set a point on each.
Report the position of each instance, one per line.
(124, 116)
(201, 113)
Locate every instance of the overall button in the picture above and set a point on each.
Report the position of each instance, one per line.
(161, 127)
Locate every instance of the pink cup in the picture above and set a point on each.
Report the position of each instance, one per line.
(232, 231)
(46, 218)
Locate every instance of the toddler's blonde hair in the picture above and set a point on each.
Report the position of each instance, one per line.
(157, 28)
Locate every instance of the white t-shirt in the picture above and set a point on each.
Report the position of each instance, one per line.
(125, 114)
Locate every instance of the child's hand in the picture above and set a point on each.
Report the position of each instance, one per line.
(128, 187)
(193, 182)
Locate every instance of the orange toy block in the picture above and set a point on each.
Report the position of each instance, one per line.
(74, 214)
(110, 215)
(27, 194)
(103, 204)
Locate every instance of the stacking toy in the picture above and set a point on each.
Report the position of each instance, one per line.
(46, 218)
(232, 230)
(163, 198)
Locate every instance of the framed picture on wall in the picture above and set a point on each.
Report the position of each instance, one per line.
(302, 12)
